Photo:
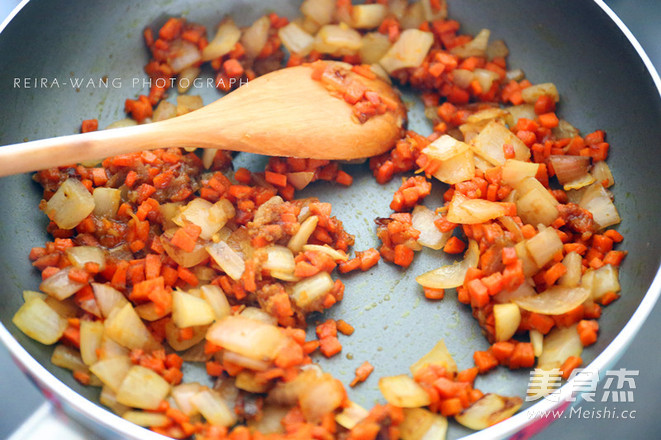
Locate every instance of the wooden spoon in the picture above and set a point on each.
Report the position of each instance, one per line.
(283, 113)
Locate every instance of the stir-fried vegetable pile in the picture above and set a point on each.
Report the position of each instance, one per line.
(164, 258)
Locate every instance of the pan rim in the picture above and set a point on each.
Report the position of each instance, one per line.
(523, 422)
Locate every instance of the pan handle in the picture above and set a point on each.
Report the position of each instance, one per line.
(49, 422)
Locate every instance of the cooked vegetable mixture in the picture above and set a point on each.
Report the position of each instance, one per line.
(165, 257)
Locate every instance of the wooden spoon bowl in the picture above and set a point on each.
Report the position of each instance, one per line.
(283, 113)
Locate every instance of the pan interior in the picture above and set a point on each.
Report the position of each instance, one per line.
(603, 84)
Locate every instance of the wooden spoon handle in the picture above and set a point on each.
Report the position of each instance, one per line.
(72, 149)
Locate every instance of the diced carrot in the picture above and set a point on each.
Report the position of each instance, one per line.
(276, 179)
(454, 246)
(522, 356)
(434, 294)
(214, 368)
(502, 350)
(344, 327)
(362, 373)
(571, 363)
(587, 331)
(484, 361)
(330, 346)
(183, 241)
(403, 255)
(554, 273)
(451, 407)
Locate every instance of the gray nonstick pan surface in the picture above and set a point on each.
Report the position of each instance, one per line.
(604, 84)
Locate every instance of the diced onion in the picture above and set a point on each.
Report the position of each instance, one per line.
(573, 263)
(337, 39)
(559, 344)
(403, 391)
(71, 204)
(537, 341)
(79, 255)
(532, 93)
(602, 281)
(247, 337)
(216, 298)
(463, 210)
(125, 327)
(431, 12)
(227, 258)
(488, 411)
(507, 319)
(108, 298)
(66, 357)
(602, 173)
(106, 201)
(59, 285)
(308, 292)
(456, 159)
(515, 171)
(491, 140)
(351, 415)
(408, 51)
(507, 296)
(368, 16)
(227, 35)
(270, 421)
(184, 55)
(517, 112)
(597, 200)
(211, 217)
(142, 388)
(452, 275)
(534, 203)
(91, 335)
(569, 168)
(544, 246)
(112, 371)
(182, 396)
(564, 130)
(438, 356)
(213, 408)
(295, 39)
(462, 77)
(497, 49)
(413, 16)
(485, 78)
(108, 398)
(258, 315)
(278, 259)
(244, 361)
(254, 38)
(373, 47)
(554, 301)
(185, 80)
(321, 11)
(126, 122)
(183, 258)
(189, 310)
(146, 419)
(187, 104)
(303, 234)
(422, 424)
(173, 333)
(476, 47)
(333, 253)
(321, 397)
(422, 219)
(301, 179)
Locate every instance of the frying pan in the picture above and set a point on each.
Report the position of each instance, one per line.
(605, 80)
